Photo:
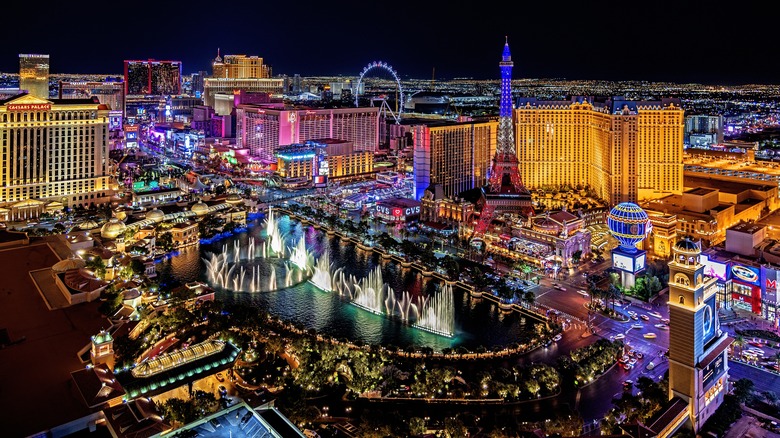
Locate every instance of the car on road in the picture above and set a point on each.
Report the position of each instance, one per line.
(632, 361)
(628, 384)
(619, 336)
(650, 366)
(639, 355)
(662, 326)
(637, 326)
(625, 358)
(665, 320)
(558, 337)
(655, 314)
(627, 366)
(583, 293)
(644, 317)
(635, 317)
(649, 335)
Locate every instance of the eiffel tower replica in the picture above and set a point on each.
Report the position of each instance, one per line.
(505, 192)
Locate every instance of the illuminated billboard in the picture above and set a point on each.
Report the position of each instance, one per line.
(771, 279)
(622, 262)
(320, 181)
(115, 120)
(745, 274)
(714, 269)
(712, 371)
(710, 325)
(628, 262)
(639, 263)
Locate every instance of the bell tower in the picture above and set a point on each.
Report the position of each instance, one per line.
(698, 361)
(102, 350)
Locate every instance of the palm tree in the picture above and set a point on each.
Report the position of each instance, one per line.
(593, 291)
(529, 297)
(527, 269)
(739, 341)
(612, 293)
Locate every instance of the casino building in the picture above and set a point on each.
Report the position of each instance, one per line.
(747, 270)
(625, 150)
(264, 128)
(54, 154)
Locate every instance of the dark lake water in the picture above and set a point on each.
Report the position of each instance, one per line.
(477, 321)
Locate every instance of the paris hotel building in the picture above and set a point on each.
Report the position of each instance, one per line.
(54, 154)
(625, 150)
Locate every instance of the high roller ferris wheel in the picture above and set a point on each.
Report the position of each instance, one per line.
(385, 107)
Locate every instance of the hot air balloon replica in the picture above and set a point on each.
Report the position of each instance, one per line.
(630, 225)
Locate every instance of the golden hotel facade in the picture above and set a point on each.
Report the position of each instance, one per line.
(625, 150)
(54, 154)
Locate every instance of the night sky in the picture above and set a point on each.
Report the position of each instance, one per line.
(680, 41)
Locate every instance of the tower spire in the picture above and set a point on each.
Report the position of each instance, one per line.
(505, 190)
(504, 176)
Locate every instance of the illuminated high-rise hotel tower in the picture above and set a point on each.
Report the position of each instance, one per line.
(34, 75)
(505, 190)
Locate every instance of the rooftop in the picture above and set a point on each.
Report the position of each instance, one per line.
(747, 228)
(242, 420)
(97, 385)
(731, 187)
(400, 202)
(668, 414)
(173, 369)
(700, 191)
(673, 204)
(43, 361)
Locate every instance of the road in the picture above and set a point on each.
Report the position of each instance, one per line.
(763, 380)
(596, 399)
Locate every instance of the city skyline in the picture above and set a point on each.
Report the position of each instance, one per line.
(605, 41)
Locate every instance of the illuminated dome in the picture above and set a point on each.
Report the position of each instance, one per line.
(68, 264)
(546, 225)
(102, 337)
(687, 246)
(233, 198)
(200, 208)
(629, 224)
(88, 225)
(155, 215)
(120, 213)
(112, 229)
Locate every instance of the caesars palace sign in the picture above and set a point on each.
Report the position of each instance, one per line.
(28, 107)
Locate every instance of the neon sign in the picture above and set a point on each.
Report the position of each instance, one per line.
(28, 107)
(745, 274)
